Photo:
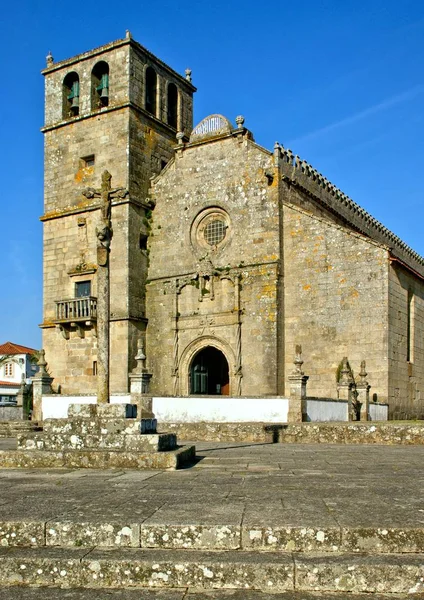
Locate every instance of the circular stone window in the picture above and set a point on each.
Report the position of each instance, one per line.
(211, 229)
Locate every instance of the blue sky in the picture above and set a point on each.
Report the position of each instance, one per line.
(341, 83)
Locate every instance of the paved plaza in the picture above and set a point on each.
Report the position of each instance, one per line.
(281, 484)
(258, 499)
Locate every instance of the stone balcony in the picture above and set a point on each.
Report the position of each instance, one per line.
(76, 314)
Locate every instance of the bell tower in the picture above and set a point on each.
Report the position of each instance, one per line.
(116, 108)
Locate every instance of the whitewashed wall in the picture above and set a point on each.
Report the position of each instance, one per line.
(56, 406)
(218, 409)
(378, 412)
(221, 409)
(321, 410)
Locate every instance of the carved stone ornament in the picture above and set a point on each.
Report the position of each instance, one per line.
(102, 256)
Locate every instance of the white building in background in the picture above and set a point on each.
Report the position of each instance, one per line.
(15, 361)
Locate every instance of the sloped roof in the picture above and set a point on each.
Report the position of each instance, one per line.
(10, 384)
(11, 348)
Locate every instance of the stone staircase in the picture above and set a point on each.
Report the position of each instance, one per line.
(247, 522)
(267, 562)
(98, 436)
(10, 429)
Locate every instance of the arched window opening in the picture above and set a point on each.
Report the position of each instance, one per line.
(71, 94)
(151, 86)
(172, 105)
(100, 85)
(209, 373)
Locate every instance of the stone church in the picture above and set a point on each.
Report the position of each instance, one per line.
(225, 255)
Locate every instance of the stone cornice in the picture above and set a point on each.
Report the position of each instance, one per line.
(75, 210)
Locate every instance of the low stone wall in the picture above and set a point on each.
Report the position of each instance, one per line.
(303, 433)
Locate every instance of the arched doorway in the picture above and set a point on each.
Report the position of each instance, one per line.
(209, 373)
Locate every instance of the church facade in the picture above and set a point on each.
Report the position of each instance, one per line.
(225, 255)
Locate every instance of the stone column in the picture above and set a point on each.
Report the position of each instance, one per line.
(297, 402)
(104, 237)
(139, 389)
(363, 393)
(41, 384)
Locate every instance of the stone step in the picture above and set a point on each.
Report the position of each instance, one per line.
(102, 440)
(266, 571)
(44, 593)
(94, 426)
(73, 532)
(97, 459)
(13, 428)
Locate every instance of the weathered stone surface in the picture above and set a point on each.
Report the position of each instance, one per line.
(383, 539)
(97, 459)
(43, 593)
(21, 533)
(361, 573)
(387, 433)
(190, 536)
(74, 534)
(146, 568)
(13, 428)
(108, 411)
(291, 539)
(123, 441)
(94, 425)
(294, 595)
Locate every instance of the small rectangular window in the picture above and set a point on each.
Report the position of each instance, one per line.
(8, 370)
(88, 161)
(82, 289)
(94, 367)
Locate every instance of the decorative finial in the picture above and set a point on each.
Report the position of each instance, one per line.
(180, 136)
(345, 372)
(128, 34)
(240, 121)
(23, 382)
(49, 59)
(363, 374)
(42, 363)
(188, 74)
(277, 146)
(298, 362)
(140, 357)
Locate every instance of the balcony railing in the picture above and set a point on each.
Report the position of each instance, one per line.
(76, 309)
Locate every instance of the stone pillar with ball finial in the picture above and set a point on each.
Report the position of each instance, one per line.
(298, 379)
(41, 384)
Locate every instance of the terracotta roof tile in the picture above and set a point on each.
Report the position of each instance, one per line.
(9, 384)
(11, 348)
